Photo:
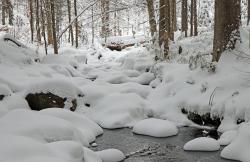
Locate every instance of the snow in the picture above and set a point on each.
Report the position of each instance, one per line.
(202, 144)
(119, 110)
(227, 137)
(111, 155)
(239, 148)
(155, 128)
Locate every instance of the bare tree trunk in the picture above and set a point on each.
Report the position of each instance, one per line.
(31, 20)
(43, 27)
(195, 18)
(76, 24)
(151, 14)
(71, 34)
(38, 30)
(184, 17)
(10, 12)
(105, 18)
(163, 25)
(227, 22)
(192, 19)
(49, 21)
(3, 12)
(52, 6)
(248, 13)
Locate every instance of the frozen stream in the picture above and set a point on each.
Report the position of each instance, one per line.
(139, 148)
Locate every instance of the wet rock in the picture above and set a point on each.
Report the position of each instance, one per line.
(1, 97)
(40, 101)
(205, 119)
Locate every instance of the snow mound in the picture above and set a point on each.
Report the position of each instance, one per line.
(120, 110)
(202, 144)
(227, 137)
(156, 128)
(40, 127)
(89, 128)
(239, 148)
(111, 155)
(4, 90)
(59, 87)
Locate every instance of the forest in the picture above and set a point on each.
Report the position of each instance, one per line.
(124, 80)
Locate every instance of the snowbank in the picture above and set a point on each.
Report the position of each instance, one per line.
(111, 155)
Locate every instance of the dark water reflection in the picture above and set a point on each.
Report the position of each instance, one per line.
(139, 148)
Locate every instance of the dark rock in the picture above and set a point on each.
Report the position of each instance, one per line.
(213, 134)
(205, 119)
(87, 105)
(180, 50)
(40, 101)
(1, 97)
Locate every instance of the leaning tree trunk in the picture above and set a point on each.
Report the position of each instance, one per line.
(184, 17)
(151, 14)
(227, 22)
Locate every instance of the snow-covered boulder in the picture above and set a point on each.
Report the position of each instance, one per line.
(227, 137)
(239, 148)
(120, 110)
(4, 91)
(111, 155)
(202, 144)
(53, 93)
(155, 128)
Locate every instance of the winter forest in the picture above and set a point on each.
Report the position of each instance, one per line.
(124, 80)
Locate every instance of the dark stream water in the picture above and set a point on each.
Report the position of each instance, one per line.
(140, 148)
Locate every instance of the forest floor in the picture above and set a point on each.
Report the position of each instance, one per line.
(130, 90)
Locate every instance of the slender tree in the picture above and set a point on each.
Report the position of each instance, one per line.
(38, 30)
(3, 12)
(227, 22)
(184, 17)
(71, 34)
(52, 7)
(151, 13)
(76, 24)
(31, 19)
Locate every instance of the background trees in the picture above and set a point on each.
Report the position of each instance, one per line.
(74, 21)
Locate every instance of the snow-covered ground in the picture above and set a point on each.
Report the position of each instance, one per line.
(117, 90)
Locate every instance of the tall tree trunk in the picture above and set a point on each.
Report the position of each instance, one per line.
(227, 22)
(3, 12)
(92, 25)
(49, 21)
(38, 30)
(184, 17)
(195, 18)
(10, 12)
(192, 19)
(105, 18)
(76, 24)
(248, 13)
(70, 28)
(151, 14)
(31, 20)
(43, 27)
(52, 6)
(163, 25)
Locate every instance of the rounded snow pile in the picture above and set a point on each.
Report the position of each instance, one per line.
(202, 144)
(111, 155)
(155, 128)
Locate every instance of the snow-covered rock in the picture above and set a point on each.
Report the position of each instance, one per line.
(227, 137)
(156, 128)
(239, 148)
(202, 144)
(111, 155)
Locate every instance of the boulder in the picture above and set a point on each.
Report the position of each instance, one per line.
(40, 101)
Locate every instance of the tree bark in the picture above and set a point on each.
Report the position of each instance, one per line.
(3, 12)
(49, 21)
(76, 24)
(151, 14)
(227, 22)
(38, 30)
(71, 34)
(248, 13)
(31, 20)
(52, 7)
(184, 17)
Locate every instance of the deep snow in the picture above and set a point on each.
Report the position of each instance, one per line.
(122, 89)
